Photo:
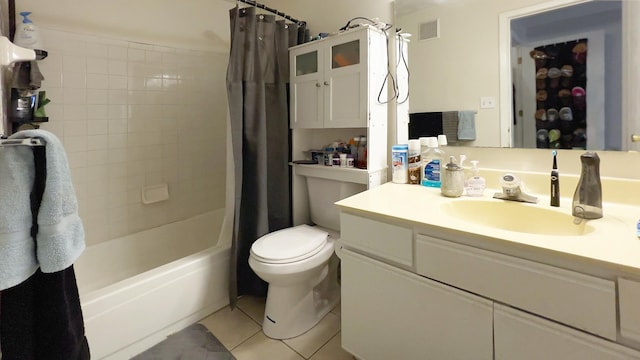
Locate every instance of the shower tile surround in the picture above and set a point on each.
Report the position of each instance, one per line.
(132, 114)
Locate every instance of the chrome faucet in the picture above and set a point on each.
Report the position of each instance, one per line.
(511, 190)
(587, 200)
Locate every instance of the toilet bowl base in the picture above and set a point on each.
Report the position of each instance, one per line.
(292, 311)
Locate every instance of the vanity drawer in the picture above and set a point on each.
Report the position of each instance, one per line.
(522, 336)
(628, 298)
(575, 299)
(382, 240)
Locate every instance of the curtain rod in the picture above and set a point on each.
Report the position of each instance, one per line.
(271, 10)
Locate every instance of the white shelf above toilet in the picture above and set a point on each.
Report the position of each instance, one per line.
(354, 175)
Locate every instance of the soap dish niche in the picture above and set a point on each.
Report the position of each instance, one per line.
(152, 194)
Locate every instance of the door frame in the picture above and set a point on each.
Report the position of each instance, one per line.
(596, 91)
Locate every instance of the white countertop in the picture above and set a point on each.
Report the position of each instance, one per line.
(612, 243)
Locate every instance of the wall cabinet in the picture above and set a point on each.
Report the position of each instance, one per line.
(335, 81)
(433, 298)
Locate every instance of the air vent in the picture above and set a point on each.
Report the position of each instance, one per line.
(430, 30)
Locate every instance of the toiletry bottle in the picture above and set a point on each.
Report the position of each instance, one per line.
(476, 184)
(27, 34)
(335, 161)
(414, 161)
(424, 144)
(399, 165)
(442, 141)
(328, 156)
(432, 161)
(353, 147)
(452, 179)
(350, 162)
(361, 162)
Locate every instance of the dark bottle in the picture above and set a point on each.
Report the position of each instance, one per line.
(587, 200)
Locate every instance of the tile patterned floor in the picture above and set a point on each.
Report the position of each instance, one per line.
(240, 331)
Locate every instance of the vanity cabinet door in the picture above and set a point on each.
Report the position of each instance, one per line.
(389, 313)
(521, 336)
(628, 299)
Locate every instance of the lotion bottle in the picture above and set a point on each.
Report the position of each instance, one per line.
(27, 34)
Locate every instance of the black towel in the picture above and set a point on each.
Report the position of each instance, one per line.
(41, 319)
(425, 124)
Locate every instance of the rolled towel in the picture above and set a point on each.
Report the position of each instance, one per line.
(27, 76)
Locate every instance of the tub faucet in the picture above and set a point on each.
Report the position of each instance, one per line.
(511, 190)
(587, 200)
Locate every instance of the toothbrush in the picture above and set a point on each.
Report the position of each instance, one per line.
(555, 182)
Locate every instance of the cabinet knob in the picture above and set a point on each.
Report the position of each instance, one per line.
(318, 85)
(326, 83)
(635, 138)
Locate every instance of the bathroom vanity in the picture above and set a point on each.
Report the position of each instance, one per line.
(423, 279)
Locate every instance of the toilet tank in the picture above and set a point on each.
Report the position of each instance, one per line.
(323, 193)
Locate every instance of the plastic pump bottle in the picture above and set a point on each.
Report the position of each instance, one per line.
(475, 185)
(27, 34)
(432, 160)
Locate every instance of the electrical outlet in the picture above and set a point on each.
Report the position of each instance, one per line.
(487, 102)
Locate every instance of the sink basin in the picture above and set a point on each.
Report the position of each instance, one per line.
(515, 216)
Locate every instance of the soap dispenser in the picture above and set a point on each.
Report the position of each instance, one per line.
(452, 179)
(475, 185)
(27, 34)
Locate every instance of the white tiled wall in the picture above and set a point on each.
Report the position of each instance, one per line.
(130, 115)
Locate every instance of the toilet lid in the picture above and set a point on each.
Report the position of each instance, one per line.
(289, 245)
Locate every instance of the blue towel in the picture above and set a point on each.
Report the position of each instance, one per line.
(60, 238)
(466, 125)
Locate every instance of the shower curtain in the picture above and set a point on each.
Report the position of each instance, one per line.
(257, 90)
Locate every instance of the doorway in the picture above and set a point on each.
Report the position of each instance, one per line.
(560, 102)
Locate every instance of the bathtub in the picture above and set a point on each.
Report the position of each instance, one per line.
(138, 289)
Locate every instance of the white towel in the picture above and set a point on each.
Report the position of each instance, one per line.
(60, 238)
(466, 125)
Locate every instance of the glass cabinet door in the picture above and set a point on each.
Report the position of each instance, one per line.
(307, 63)
(345, 54)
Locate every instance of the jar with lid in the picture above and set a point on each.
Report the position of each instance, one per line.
(452, 179)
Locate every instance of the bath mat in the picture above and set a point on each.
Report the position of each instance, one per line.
(192, 343)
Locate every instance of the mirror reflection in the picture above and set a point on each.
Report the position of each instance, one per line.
(564, 63)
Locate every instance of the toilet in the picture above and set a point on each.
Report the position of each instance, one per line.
(300, 264)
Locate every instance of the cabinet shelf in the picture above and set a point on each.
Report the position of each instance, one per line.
(338, 173)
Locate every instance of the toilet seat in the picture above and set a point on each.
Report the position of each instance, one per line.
(289, 245)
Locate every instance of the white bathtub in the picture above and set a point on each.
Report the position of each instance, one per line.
(138, 289)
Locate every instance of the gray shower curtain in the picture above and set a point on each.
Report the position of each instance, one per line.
(257, 90)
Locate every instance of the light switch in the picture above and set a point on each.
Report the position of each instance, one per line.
(487, 102)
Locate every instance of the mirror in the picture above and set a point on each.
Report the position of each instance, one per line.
(474, 55)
